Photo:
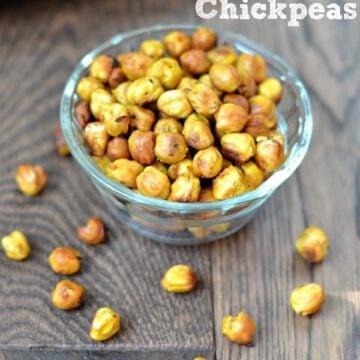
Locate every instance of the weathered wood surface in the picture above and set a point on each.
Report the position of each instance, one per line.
(40, 43)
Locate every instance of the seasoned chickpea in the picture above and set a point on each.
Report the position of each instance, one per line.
(198, 134)
(169, 125)
(238, 147)
(100, 99)
(105, 324)
(222, 55)
(125, 171)
(183, 167)
(269, 154)
(102, 162)
(257, 125)
(30, 179)
(16, 246)
(179, 279)
(141, 146)
(144, 90)
(60, 142)
(93, 233)
(225, 77)
(101, 67)
(96, 138)
(206, 80)
(65, 261)
(187, 84)
(86, 86)
(141, 119)
(176, 43)
(307, 299)
(238, 100)
(313, 244)
(152, 182)
(230, 182)
(67, 295)
(152, 48)
(204, 38)
(207, 163)
(264, 106)
(230, 118)
(186, 188)
(254, 176)
(272, 89)
(251, 66)
(116, 119)
(160, 166)
(82, 113)
(198, 231)
(239, 329)
(118, 148)
(117, 76)
(278, 136)
(167, 70)
(175, 103)
(206, 195)
(135, 64)
(196, 117)
(248, 87)
(204, 100)
(195, 62)
(120, 93)
(170, 148)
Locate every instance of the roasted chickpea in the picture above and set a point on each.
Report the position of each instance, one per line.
(204, 100)
(222, 55)
(176, 43)
(30, 179)
(93, 233)
(186, 188)
(207, 163)
(16, 246)
(140, 118)
(230, 182)
(257, 125)
(170, 148)
(269, 154)
(152, 182)
(199, 232)
(248, 87)
(198, 134)
(144, 90)
(152, 48)
(225, 77)
(175, 103)
(278, 136)
(102, 162)
(118, 149)
(120, 93)
(204, 38)
(206, 195)
(313, 244)
(160, 166)
(60, 142)
(82, 113)
(196, 117)
(206, 80)
(135, 64)
(307, 299)
(239, 329)
(195, 62)
(116, 119)
(86, 86)
(251, 66)
(187, 84)
(105, 324)
(264, 106)
(179, 279)
(117, 76)
(100, 100)
(238, 100)
(272, 89)
(67, 295)
(183, 167)
(141, 146)
(65, 261)
(169, 125)
(101, 67)
(125, 171)
(167, 70)
(254, 176)
(238, 147)
(96, 138)
(230, 118)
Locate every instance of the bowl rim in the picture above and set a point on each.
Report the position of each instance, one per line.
(276, 179)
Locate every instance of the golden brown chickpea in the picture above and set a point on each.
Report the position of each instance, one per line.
(175, 103)
(116, 119)
(100, 99)
(176, 43)
(16, 246)
(230, 182)
(207, 163)
(183, 167)
(251, 66)
(135, 64)
(196, 117)
(67, 295)
(262, 105)
(238, 100)
(169, 125)
(96, 138)
(82, 113)
(187, 84)
(272, 89)
(238, 147)
(167, 70)
(93, 233)
(152, 182)
(239, 329)
(160, 166)
(254, 176)
(120, 93)
(204, 38)
(105, 324)
(152, 48)
(186, 188)
(206, 80)
(118, 149)
(307, 299)
(248, 87)
(278, 136)
(60, 142)
(144, 90)
(101, 67)
(206, 195)
(141, 146)
(102, 162)
(269, 154)
(198, 134)
(125, 171)
(195, 62)
(65, 261)
(30, 179)
(225, 77)
(222, 55)
(179, 279)
(117, 76)
(199, 232)
(230, 118)
(170, 148)
(204, 100)
(86, 86)
(141, 119)
(256, 126)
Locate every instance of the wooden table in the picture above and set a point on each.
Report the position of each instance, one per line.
(40, 43)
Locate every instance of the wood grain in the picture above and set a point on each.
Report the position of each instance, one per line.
(41, 41)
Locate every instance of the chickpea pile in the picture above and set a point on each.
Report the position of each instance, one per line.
(182, 100)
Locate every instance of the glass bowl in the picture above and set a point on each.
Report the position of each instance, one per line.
(191, 223)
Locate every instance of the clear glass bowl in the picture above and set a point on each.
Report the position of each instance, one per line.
(191, 223)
